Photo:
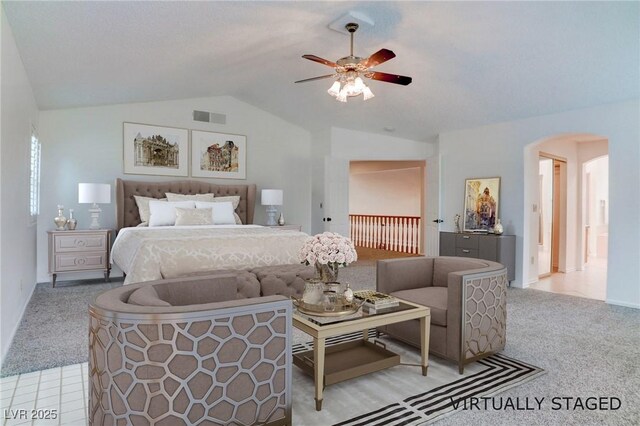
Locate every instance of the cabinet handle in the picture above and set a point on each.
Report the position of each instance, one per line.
(466, 237)
(465, 251)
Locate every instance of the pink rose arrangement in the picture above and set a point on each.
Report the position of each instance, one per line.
(328, 248)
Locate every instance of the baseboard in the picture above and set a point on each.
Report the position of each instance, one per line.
(625, 304)
(5, 350)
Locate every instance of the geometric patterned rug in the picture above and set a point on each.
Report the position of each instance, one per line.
(491, 375)
(501, 373)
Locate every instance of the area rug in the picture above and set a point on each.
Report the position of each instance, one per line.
(401, 395)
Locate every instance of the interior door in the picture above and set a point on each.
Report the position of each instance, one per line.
(336, 195)
(432, 207)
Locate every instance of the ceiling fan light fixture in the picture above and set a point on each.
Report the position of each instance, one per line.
(353, 86)
(367, 93)
(350, 70)
(334, 90)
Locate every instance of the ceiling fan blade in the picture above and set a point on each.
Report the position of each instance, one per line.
(382, 55)
(315, 78)
(389, 78)
(315, 58)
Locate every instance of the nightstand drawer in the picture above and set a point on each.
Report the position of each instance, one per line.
(467, 241)
(80, 243)
(80, 261)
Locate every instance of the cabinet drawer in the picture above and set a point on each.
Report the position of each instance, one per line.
(80, 261)
(464, 252)
(77, 243)
(467, 241)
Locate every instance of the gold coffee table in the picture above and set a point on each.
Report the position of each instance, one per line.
(345, 361)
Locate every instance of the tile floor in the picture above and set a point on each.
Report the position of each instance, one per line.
(590, 283)
(59, 393)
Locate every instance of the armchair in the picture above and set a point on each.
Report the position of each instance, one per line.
(190, 350)
(467, 298)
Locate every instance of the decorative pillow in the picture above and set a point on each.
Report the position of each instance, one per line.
(146, 296)
(189, 197)
(143, 206)
(221, 213)
(163, 213)
(235, 200)
(186, 217)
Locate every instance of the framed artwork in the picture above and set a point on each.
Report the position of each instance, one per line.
(155, 150)
(218, 155)
(481, 200)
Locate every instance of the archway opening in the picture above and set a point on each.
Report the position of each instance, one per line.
(386, 208)
(566, 213)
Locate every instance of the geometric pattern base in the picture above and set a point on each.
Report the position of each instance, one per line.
(225, 366)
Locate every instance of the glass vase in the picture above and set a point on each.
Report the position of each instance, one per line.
(60, 220)
(327, 272)
(71, 222)
(498, 229)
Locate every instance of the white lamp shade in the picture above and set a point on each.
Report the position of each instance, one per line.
(271, 197)
(89, 193)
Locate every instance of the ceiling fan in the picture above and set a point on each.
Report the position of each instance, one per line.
(350, 70)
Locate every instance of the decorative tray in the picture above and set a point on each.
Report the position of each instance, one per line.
(340, 308)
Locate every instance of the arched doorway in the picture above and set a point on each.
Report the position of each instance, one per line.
(560, 217)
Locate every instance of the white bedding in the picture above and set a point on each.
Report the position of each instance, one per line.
(147, 254)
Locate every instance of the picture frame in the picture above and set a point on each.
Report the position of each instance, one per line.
(155, 150)
(481, 203)
(218, 155)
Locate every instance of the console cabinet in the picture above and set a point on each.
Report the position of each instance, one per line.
(497, 248)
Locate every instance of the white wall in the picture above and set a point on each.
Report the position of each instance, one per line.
(597, 171)
(498, 150)
(85, 145)
(18, 243)
(386, 192)
(320, 148)
(355, 145)
(587, 151)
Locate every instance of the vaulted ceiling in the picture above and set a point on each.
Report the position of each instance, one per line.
(472, 63)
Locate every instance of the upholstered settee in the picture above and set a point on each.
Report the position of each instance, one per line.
(467, 298)
(194, 350)
(284, 280)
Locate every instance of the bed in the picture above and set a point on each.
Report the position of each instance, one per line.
(151, 253)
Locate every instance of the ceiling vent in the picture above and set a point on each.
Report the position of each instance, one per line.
(209, 117)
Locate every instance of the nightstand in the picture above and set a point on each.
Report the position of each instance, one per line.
(79, 251)
(285, 227)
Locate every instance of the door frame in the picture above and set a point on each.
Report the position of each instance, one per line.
(557, 210)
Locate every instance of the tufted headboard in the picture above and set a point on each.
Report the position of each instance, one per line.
(127, 209)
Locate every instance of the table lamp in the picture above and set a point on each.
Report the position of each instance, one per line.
(271, 198)
(94, 193)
